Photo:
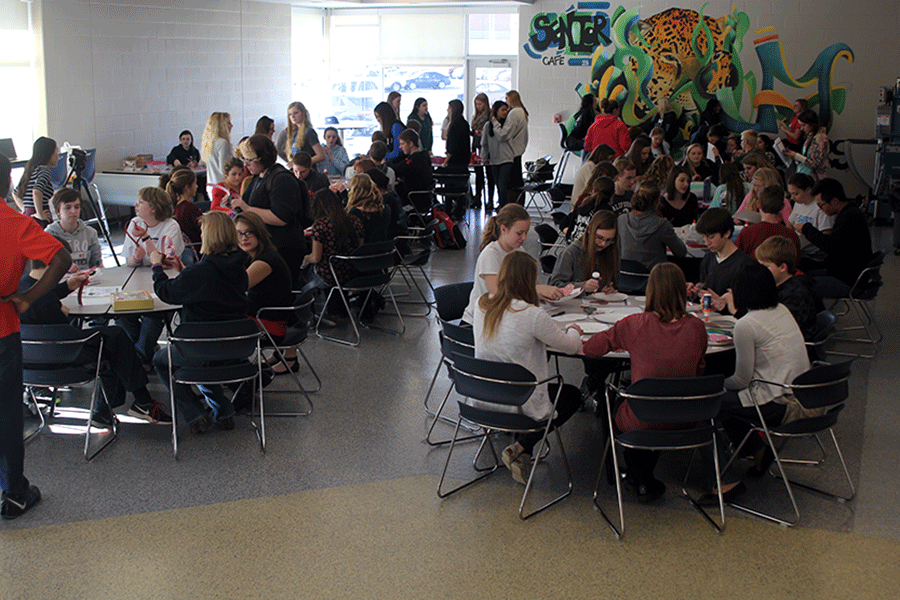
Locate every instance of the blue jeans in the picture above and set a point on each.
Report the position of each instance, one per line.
(12, 423)
(188, 405)
(144, 331)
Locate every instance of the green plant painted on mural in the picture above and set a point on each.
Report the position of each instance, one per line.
(692, 59)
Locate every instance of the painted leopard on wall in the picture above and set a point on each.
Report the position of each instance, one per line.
(667, 38)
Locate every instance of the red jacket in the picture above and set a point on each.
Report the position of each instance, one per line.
(608, 129)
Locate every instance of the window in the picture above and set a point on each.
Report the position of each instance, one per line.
(18, 103)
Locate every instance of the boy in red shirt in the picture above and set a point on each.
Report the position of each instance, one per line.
(22, 240)
(771, 201)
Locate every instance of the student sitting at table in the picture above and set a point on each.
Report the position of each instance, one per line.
(504, 232)
(413, 167)
(594, 251)
(120, 370)
(762, 178)
(511, 327)
(576, 222)
(697, 165)
(626, 175)
(643, 234)
(397, 224)
(153, 228)
(214, 289)
(779, 256)
(269, 281)
(365, 203)
(377, 153)
(771, 201)
(662, 341)
(679, 206)
(806, 210)
(184, 154)
(768, 345)
(732, 190)
(333, 232)
(848, 247)
(71, 229)
(336, 158)
(719, 266)
(229, 188)
(301, 163)
(181, 185)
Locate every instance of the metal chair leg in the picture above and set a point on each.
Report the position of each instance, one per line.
(97, 390)
(443, 494)
(534, 464)
(36, 408)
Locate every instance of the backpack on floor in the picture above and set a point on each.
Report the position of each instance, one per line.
(447, 234)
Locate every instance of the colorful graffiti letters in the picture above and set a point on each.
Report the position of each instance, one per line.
(574, 33)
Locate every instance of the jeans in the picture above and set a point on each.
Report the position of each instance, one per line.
(826, 286)
(144, 331)
(190, 407)
(12, 423)
(123, 371)
(502, 175)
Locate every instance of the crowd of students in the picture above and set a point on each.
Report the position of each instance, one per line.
(801, 243)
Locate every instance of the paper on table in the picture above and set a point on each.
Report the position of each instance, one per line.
(97, 295)
(615, 314)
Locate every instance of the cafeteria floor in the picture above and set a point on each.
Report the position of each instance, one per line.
(343, 503)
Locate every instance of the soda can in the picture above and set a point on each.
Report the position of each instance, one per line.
(706, 303)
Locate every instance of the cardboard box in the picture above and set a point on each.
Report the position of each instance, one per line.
(136, 300)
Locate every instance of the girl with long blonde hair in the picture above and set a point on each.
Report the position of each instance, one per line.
(763, 178)
(365, 202)
(215, 147)
(299, 135)
(511, 327)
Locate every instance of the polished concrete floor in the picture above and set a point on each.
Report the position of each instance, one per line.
(343, 504)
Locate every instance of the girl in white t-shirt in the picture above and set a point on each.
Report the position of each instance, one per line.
(511, 327)
(506, 231)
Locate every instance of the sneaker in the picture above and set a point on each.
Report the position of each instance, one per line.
(227, 423)
(521, 468)
(509, 455)
(16, 507)
(154, 413)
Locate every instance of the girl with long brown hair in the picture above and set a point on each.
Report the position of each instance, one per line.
(511, 327)
(594, 252)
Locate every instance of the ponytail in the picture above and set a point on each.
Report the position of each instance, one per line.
(508, 215)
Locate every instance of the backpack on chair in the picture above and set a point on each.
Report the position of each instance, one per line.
(447, 234)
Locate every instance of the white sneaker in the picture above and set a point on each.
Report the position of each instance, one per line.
(509, 455)
(521, 468)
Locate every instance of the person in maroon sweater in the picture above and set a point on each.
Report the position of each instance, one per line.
(181, 185)
(770, 204)
(663, 341)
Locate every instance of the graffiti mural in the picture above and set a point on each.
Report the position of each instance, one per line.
(690, 58)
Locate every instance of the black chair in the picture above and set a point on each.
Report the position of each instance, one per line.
(454, 339)
(451, 300)
(375, 265)
(421, 205)
(419, 247)
(53, 356)
(217, 353)
(865, 291)
(658, 400)
(633, 277)
(564, 160)
(298, 318)
(822, 393)
(538, 181)
(453, 187)
(500, 387)
(548, 238)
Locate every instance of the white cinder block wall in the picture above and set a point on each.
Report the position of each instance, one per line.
(805, 28)
(126, 76)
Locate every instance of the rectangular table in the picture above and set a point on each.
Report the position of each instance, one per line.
(96, 299)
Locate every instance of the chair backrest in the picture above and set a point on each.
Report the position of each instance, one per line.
(373, 257)
(563, 135)
(675, 400)
(869, 280)
(546, 234)
(56, 345)
(90, 165)
(59, 172)
(823, 385)
(458, 339)
(825, 321)
(451, 300)
(216, 340)
(490, 381)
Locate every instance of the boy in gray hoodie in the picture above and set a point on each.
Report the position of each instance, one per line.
(82, 239)
(643, 234)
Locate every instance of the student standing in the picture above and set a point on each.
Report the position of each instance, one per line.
(22, 240)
